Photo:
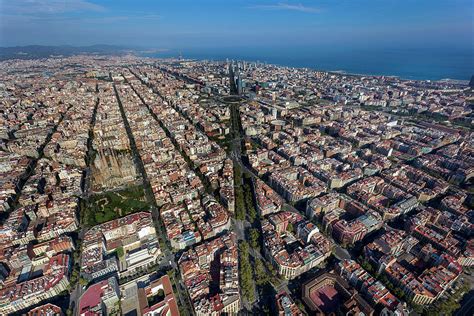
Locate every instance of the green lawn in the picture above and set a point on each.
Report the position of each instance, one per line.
(111, 205)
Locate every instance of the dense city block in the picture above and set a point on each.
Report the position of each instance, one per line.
(141, 186)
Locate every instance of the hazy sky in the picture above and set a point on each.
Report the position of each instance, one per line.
(176, 24)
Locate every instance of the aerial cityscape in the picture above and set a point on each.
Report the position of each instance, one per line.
(138, 182)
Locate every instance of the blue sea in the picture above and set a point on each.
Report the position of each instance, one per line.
(420, 64)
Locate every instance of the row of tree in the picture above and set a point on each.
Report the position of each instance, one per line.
(243, 196)
(239, 193)
(246, 275)
(251, 211)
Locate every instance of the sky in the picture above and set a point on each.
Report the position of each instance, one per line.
(271, 25)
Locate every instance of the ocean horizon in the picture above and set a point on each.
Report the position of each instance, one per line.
(422, 64)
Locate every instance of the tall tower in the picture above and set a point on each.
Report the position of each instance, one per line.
(239, 84)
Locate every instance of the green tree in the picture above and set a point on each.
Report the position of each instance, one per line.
(83, 281)
(237, 174)
(239, 204)
(252, 213)
(120, 252)
(271, 269)
(261, 277)
(290, 228)
(255, 239)
(246, 279)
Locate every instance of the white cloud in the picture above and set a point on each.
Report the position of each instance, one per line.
(288, 7)
(48, 6)
(62, 11)
(119, 18)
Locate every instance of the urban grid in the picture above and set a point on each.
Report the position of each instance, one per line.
(140, 186)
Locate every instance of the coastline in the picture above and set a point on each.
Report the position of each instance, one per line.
(337, 72)
(424, 65)
(415, 65)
